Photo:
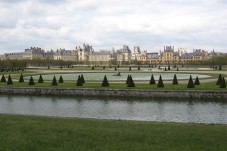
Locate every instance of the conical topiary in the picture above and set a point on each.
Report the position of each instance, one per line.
(79, 82)
(160, 82)
(130, 69)
(130, 82)
(61, 79)
(105, 82)
(21, 80)
(92, 68)
(152, 81)
(219, 80)
(197, 81)
(115, 69)
(138, 67)
(223, 84)
(127, 81)
(82, 78)
(54, 81)
(31, 81)
(3, 79)
(168, 67)
(220, 68)
(9, 81)
(175, 81)
(190, 83)
(177, 69)
(165, 69)
(40, 79)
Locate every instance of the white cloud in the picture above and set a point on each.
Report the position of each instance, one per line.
(112, 23)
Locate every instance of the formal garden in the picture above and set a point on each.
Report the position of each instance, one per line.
(201, 77)
(23, 132)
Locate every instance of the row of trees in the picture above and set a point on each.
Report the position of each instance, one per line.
(129, 82)
(48, 62)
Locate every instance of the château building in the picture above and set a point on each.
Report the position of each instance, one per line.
(66, 55)
(122, 56)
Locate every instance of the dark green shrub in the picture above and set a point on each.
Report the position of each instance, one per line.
(190, 83)
(9, 81)
(177, 69)
(92, 68)
(61, 79)
(160, 82)
(219, 80)
(104, 67)
(3, 79)
(130, 69)
(138, 67)
(152, 81)
(165, 69)
(82, 78)
(127, 81)
(54, 81)
(175, 81)
(79, 82)
(223, 84)
(40, 79)
(220, 68)
(197, 81)
(115, 69)
(105, 82)
(168, 67)
(130, 82)
(31, 81)
(21, 80)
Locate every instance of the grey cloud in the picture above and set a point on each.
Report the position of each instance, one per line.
(12, 1)
(107, 24)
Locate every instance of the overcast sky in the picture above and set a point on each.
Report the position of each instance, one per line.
(150, 24)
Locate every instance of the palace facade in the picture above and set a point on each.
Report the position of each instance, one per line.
(122, 56)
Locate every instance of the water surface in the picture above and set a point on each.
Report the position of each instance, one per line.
(168, 110)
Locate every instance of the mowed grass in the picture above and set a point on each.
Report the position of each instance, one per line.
(33, 133)
(122, 85)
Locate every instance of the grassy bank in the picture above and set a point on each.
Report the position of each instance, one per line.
(26, 133)
(97, 85)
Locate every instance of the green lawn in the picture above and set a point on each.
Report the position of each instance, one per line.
(32, 133)
(97, 85)
(113, 85)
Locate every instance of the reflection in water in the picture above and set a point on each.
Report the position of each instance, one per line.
(190, 111)
(160, 111)
(169, 110)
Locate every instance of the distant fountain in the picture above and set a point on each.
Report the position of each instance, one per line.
(117, 74)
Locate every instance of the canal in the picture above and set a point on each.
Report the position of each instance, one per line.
(145, 109)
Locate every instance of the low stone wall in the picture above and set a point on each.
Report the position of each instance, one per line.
(115, 92)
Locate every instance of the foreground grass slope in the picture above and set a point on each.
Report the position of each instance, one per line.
(31, 133)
